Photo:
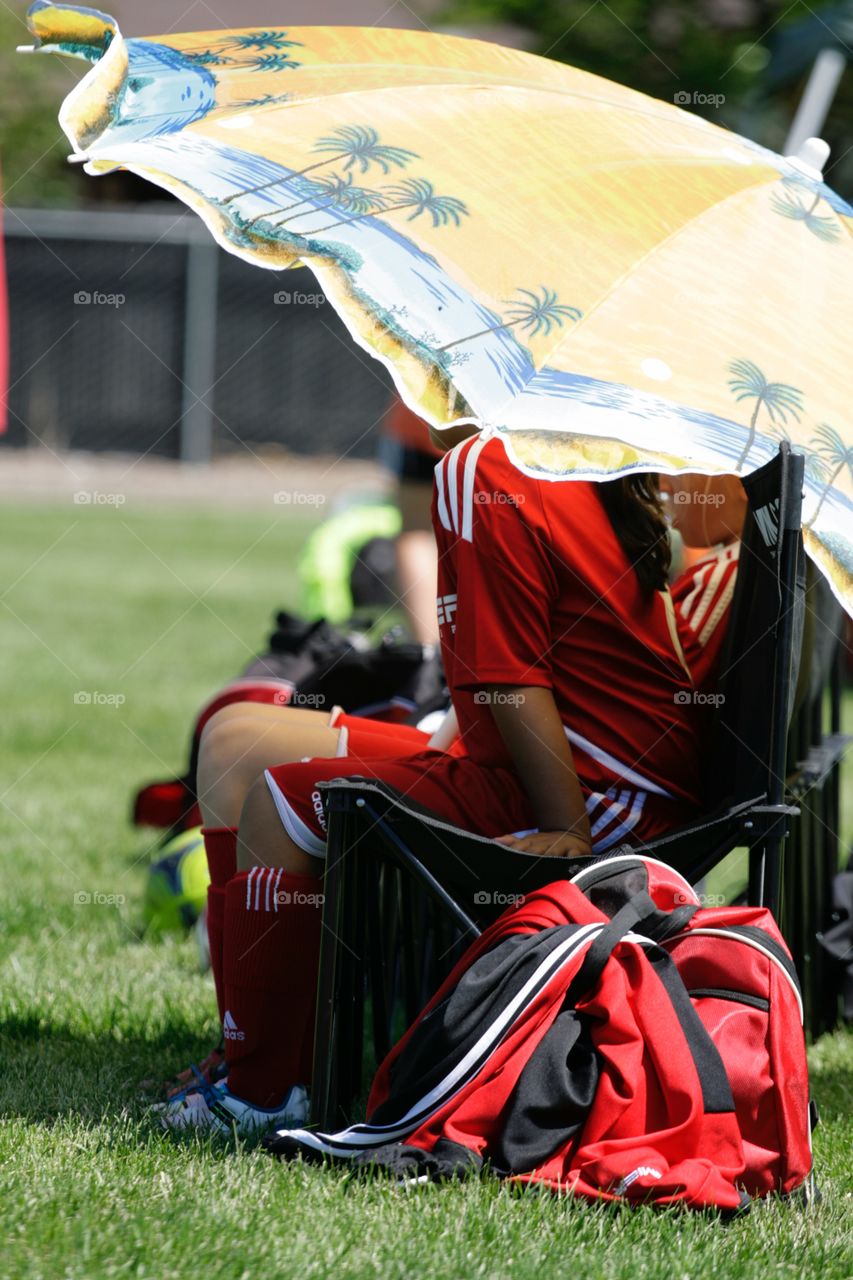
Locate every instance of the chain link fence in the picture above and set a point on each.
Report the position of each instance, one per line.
(133, 331)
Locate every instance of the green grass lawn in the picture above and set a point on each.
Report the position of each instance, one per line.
(157, 607)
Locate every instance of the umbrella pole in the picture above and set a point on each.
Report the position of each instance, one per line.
(816, 101)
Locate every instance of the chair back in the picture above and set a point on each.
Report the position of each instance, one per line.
(759, 667)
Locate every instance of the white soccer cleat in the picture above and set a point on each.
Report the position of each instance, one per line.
(214, 1109)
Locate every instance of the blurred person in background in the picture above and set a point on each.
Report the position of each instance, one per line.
(410, 455)
(4, 327)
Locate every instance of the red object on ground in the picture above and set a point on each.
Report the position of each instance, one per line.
(4, 336)
(661, 1113)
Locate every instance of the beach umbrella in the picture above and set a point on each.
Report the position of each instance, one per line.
(606, 280)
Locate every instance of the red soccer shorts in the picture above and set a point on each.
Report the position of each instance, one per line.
(368, 738)
(488, 801)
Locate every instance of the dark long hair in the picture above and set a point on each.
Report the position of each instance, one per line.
(634, 508)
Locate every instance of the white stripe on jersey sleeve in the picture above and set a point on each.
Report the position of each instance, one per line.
(700, 578)
(468, 480)
(706, 600)
(441, 492)
(717, 613)
(701, 608)
(452, 459)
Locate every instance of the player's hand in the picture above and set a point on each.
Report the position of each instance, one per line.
(549, 844)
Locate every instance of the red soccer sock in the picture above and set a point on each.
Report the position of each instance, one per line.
(220, 845)
(271, 954)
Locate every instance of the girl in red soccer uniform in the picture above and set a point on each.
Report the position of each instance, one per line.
(577, 730)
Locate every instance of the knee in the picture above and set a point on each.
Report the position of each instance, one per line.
(223, 747)
(225, 716)
(264, 842)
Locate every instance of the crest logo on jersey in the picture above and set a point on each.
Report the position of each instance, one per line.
(446, 606)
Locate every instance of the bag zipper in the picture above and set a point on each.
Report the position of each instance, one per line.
(753, 937)
(724, 993)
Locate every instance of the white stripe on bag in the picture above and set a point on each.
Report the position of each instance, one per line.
(374, 1135)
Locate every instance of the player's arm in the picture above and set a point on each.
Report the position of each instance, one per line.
(529, 723)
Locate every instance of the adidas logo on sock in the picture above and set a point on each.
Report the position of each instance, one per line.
(230, 1030)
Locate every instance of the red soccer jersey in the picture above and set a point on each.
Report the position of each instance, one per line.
(535, 589)
(702, 597)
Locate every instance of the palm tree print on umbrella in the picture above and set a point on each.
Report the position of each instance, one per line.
(271, 62)
(420, 196)
(820, 225)
(535, 314)
(319, 186)
(354, 145)
(206, 58)
(834, 454)
(779, 398)
(248, 41)
(261, 40)
(814, 468)
(343, 194)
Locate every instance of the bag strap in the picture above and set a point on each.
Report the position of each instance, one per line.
(639, 913)
(713, 1078)
(642, 914)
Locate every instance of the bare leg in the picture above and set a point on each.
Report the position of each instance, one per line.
(417, 559)
(417, 572)
(235, 750)
(264, 711)
(264, 842)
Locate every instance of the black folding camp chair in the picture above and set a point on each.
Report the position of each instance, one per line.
(816, 747)
(380, 845)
